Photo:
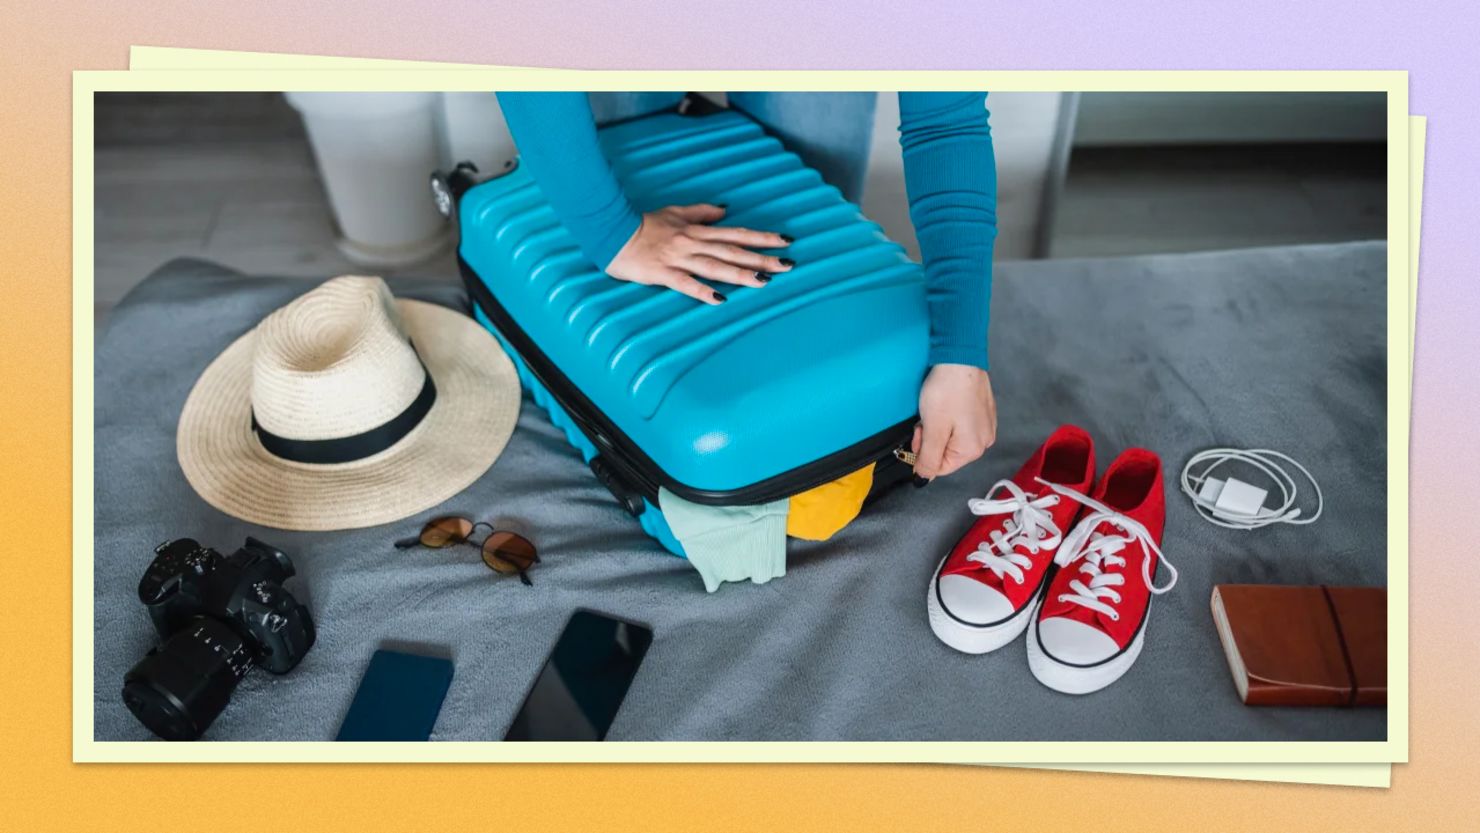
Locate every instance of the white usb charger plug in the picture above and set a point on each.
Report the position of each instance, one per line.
(1231, 503)
(1233, 497)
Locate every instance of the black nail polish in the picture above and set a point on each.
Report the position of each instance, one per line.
(720, 298)
(788, 262)
(788, 238)
(762, 277)
(722, 204)
(921, 482)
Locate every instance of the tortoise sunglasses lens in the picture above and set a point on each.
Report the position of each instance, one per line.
(507, 553)
(445, 532)
(440, 532)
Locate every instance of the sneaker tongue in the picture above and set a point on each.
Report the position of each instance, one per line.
(1028, 482)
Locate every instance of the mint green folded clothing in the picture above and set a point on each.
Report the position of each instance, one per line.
(729, 543)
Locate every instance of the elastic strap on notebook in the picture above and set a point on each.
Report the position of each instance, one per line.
(1346, 657)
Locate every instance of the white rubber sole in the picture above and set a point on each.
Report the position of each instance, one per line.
(974, 639)
(1074, 679)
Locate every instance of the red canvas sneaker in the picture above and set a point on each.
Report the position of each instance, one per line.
(984, 590)
(1092, 622)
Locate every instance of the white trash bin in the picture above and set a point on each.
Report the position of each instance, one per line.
(375, 152)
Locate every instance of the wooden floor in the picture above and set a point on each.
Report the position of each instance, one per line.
(254, 206)
(257, 205)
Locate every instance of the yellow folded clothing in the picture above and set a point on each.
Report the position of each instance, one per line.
(818, 514)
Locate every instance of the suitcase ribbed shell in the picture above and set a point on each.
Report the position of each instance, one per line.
(721, 397)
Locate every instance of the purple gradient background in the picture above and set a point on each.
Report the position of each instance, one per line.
(1434, 41)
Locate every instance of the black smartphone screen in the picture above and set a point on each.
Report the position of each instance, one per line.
(398, 699)
(580, 689)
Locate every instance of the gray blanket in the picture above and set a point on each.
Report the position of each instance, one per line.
(1278, 348)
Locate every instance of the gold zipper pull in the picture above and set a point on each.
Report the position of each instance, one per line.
(905, 456)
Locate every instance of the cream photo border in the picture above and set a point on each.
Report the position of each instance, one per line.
(1058, 753)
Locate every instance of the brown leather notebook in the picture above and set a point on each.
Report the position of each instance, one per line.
(1304, 646)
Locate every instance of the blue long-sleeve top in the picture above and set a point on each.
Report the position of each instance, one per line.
(950, 178)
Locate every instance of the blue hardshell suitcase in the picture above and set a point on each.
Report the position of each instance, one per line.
(780, 389)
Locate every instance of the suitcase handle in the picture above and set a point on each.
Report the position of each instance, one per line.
(629, 497)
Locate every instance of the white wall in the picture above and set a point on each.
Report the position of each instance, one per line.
(1022, 139)
(1022, 129)
(472, 128)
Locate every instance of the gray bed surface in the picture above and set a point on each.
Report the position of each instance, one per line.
(1277, 348)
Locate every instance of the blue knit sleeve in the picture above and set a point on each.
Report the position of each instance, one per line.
(556, 137)
(951, 178)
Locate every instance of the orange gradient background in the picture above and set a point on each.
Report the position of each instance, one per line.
(41, 789)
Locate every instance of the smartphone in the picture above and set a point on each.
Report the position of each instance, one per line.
(581, 688)
(398, 698)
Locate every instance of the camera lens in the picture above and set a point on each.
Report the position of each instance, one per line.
(179, 688)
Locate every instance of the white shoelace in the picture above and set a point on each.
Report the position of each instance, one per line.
(1031, 526)
(1100, 551)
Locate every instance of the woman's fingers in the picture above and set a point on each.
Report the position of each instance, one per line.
(958, 419)
(676, 247)
(740, 237)
(742, 257)
(956, 455)
(681, 281)
(716, 270)
(934, 435)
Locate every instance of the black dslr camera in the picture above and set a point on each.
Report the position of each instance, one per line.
(218, 616)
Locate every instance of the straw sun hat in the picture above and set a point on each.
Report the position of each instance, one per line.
(347, 408)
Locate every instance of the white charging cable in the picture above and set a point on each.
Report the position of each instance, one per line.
(1233, 504)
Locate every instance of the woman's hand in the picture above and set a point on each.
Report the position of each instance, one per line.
(677, 245)
(958, 420)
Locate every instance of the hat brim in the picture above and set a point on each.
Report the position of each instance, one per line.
(477, 405)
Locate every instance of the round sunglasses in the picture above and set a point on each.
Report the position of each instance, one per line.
(503, 552)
